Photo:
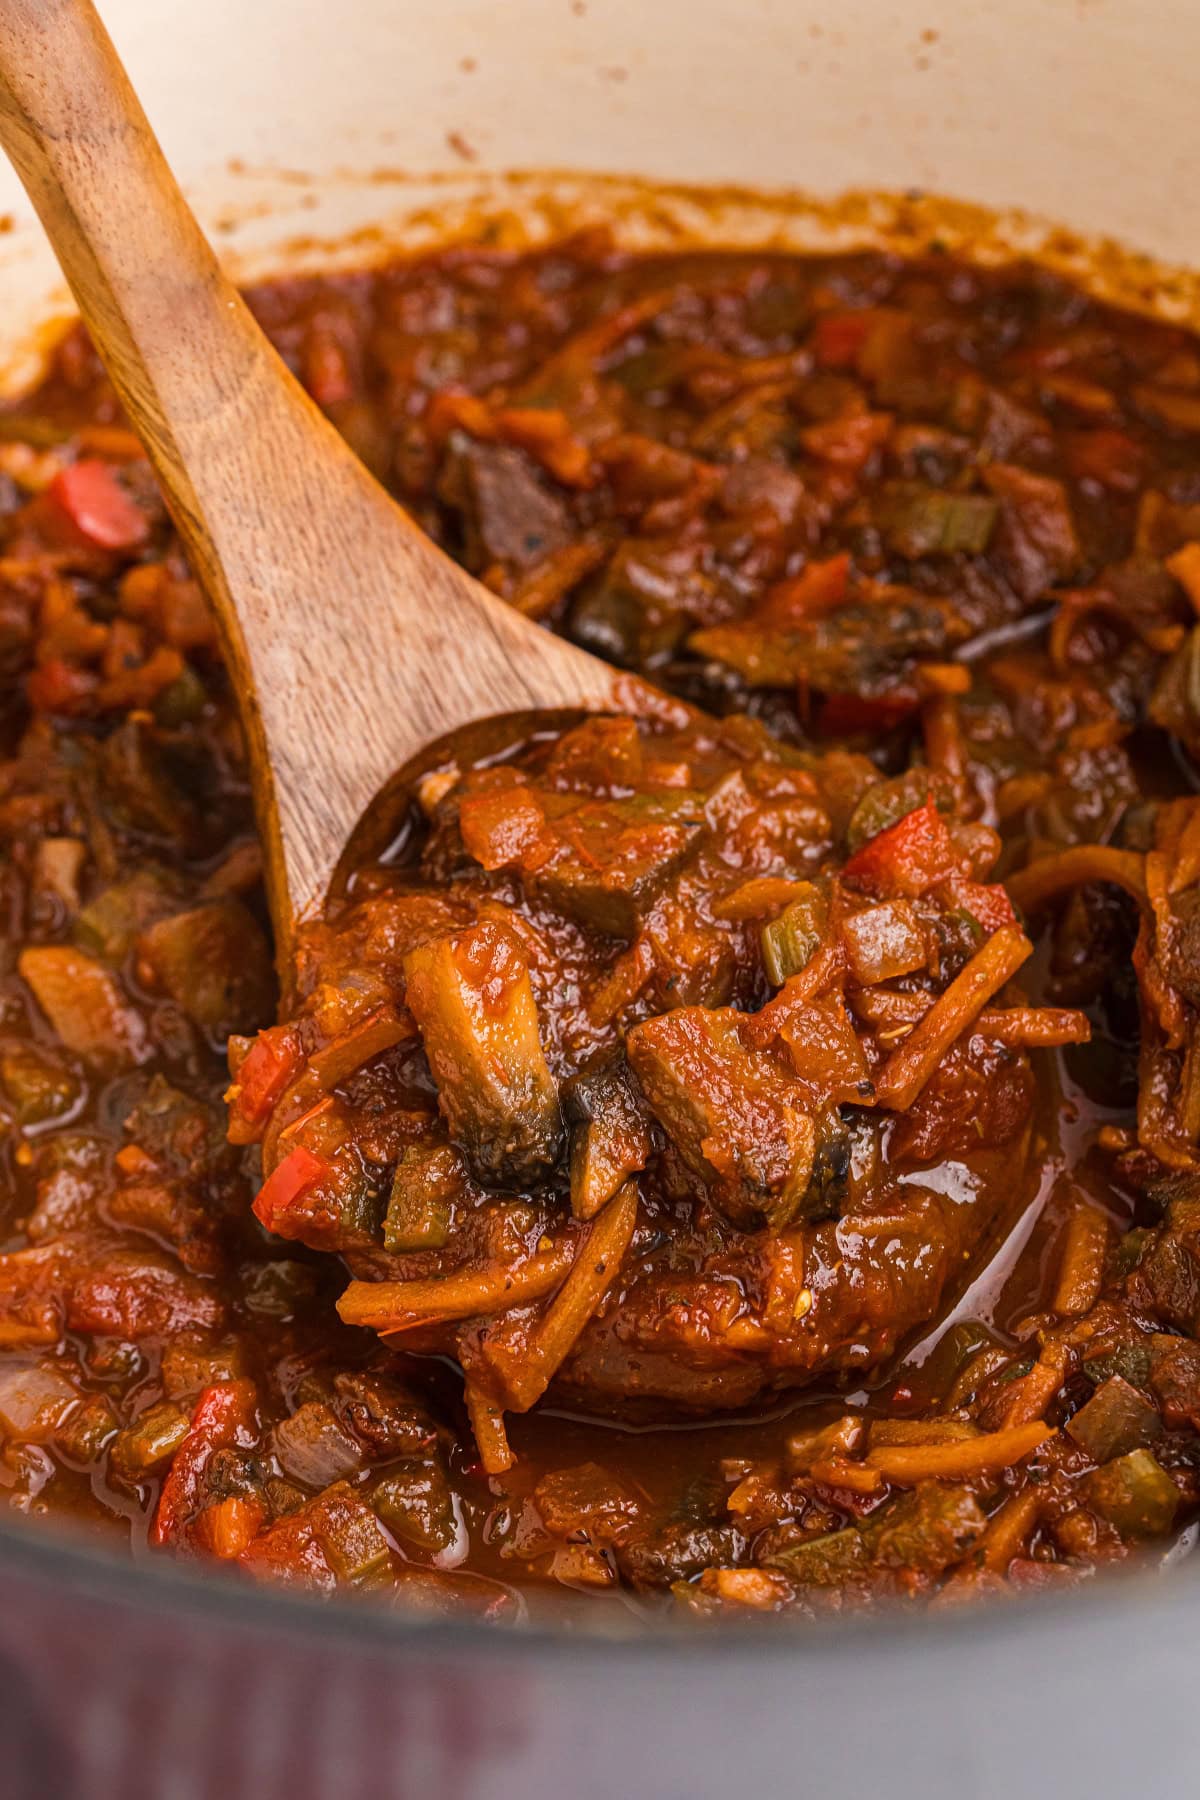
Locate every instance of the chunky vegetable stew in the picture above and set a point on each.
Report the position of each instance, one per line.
(745, 1162)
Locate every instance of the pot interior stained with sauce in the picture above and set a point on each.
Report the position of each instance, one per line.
(752, 1155)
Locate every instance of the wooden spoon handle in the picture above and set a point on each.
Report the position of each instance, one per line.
(199, 382)
(138, 264)
(352, 641)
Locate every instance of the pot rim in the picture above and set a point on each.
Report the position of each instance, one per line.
(1162, 1600)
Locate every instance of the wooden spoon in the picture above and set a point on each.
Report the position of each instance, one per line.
(351, 639)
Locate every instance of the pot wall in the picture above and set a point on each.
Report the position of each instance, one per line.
(1074, 108)
(111, 1693)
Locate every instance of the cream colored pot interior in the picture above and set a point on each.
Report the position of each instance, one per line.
(295, 120)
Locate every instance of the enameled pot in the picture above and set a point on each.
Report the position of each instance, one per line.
(308, 134)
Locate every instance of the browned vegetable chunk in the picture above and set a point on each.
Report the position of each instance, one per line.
(214, 962)
(1115, 1420)
(84, 1004)
(424, 1188)
(729, 1111)
(615, 857)
(1135, 1493)
(612, 1138)
(471, 997)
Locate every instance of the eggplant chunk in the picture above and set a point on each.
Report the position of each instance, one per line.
(736, 1120)
(509, 514)
(612, 1138)
(601, 861)
(427, 1181)
(470, 994)
(214, 962)
(614, 856)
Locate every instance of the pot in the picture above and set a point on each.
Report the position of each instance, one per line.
(318, 135)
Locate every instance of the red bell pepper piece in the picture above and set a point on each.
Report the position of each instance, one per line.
(1109, 457)
(229, 1526)
(987, 903)
(299, 1171)
(98, 506)
(224, 1417)
(271, 1063)
(837, 338)
(57, 686)
(908, 858)
(818, 589)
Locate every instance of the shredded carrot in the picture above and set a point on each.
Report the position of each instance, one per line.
(466, 1294)
(29, 1331)
(934, 678)
(1186, 855)
(306, 1118)
(110, 441)
(1009, 1529)
(551, 1340)
(381, 1031)
(1164, 640)
(545, 433)
(909, 1066)
(1029, 1397)
(854, 1477)
(906, 1464)
(487, 1423)
(941, 728)
(1188, 1104)
(555, 576)
(1102, 733)
(1028, 1027)
(756, 898)
(291, 1109)
(824, 969)
(594, 340)
(1052, 875)
(1081, 1271)
(1035, 1027)
(894, 1221)
(1072, 611)
(1020, 792)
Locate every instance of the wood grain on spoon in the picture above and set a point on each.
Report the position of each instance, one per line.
(352, 640)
